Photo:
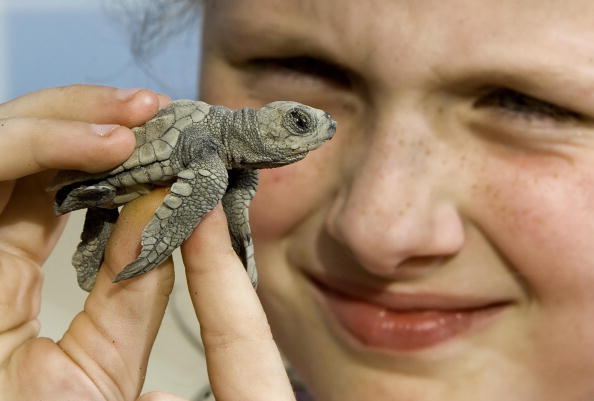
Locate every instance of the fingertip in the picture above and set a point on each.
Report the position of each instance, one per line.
(164, 100)
(211, 232)
(145, 98)
(121, 137)
(141, 105)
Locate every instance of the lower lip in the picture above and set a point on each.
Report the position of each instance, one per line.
(379, 327)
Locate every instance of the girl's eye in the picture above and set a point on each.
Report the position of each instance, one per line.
(303, 67)
(526, 106)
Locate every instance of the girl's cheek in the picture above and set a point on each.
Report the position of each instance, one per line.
(273, 211)
(286, 196)
(537, 216)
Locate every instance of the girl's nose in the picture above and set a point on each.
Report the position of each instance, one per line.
(392, 212)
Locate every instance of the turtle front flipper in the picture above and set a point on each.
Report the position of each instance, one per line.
(74, 197)
(242, 188)
(88, 257)
(196, 192)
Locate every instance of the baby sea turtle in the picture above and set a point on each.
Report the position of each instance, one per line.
(206, 154)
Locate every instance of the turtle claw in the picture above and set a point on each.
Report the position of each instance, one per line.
(133, 269)
(149, 258)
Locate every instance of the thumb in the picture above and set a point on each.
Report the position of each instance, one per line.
(118, 326)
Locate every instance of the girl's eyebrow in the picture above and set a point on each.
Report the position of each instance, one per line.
(252, 40)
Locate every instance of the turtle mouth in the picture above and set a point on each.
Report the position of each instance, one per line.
(313, 146)
(317, 144)
(332, 129)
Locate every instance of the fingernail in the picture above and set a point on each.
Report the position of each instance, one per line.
(125, 94)
(103, 129)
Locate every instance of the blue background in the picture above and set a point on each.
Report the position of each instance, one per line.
(49, 43)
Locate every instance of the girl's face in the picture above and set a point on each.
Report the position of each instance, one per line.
(441, 246)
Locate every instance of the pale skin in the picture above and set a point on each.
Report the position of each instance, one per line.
(438, 182)
(431, 184)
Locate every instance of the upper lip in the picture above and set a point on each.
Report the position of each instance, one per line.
(404, 301)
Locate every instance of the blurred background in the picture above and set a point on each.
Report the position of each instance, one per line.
(47, 43)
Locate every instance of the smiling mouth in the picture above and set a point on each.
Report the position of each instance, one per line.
(377, 319)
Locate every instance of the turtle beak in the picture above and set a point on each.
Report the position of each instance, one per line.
(331, 129)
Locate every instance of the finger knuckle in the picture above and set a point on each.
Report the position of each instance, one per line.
(220, 339)
(20, 288)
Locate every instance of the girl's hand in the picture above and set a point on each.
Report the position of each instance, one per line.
(104, 353)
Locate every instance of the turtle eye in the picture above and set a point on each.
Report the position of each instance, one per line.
(298, 121)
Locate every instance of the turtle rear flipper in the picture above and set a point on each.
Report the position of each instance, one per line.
(236, 202)
(89, 253)
(73, 197)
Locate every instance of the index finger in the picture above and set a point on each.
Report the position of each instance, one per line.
(87, 103)
(242, 358)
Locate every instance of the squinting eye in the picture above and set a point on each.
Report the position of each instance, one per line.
(304, 67)
(524, 105)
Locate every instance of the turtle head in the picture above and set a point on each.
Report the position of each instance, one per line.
(287, 131)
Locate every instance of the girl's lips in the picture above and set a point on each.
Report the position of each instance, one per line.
(403, 322)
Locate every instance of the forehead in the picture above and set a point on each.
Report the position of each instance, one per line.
(371, 22)
(409, 18)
